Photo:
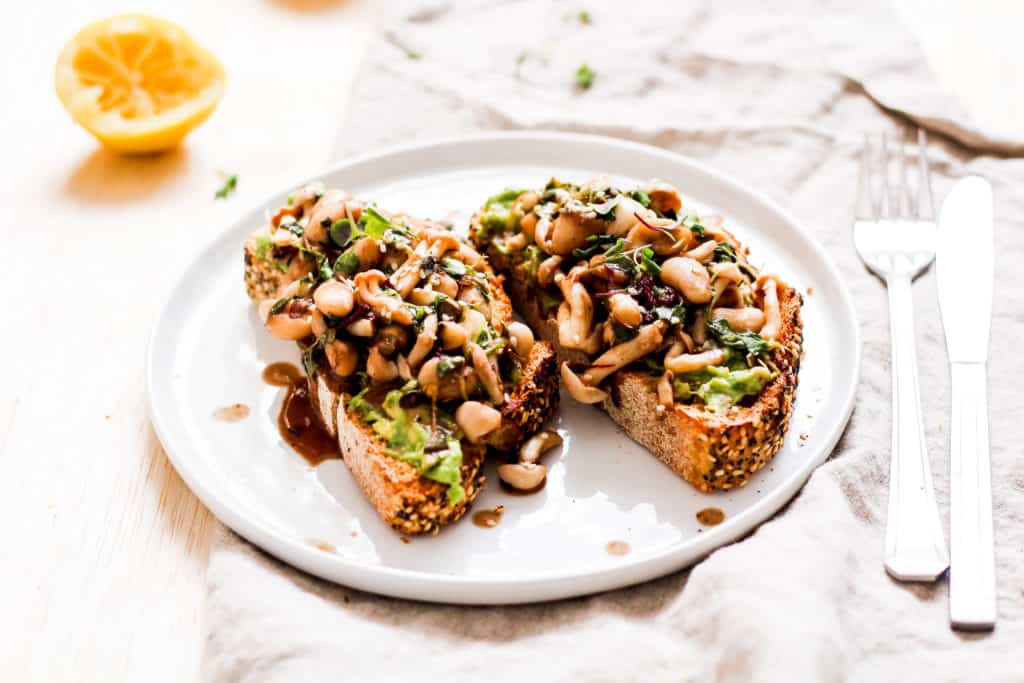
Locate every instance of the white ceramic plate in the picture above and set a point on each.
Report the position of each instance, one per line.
(208, 350)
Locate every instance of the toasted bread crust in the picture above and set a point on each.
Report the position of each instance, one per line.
(710, 451)
(408, 502)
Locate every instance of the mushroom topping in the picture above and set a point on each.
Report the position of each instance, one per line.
(772, 312)
(726, 272)
(747, 319)
(342, 356)
(664, 197)
(522, 338)
(473, 323)
(547, 270)
(389, 307)
(477, 420)
(625, 309)
(487, 373)
(379, 368)
(300, 201)
(391, 339)
(691, 362)
(666, 397)
(404, 371)
(330, 208)
(368, 251)
(538, 444)
(522, 476)
(571, 228)
(688, 277)
(334, 297)
(445, 284)
(702, 253)
(578, 390)
(452, 336)
(424, 342)
(360, 328)
(647, 340)
(293, 322)
(576, 322)
(626, 212)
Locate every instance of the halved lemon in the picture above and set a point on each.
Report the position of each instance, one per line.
(139, 84)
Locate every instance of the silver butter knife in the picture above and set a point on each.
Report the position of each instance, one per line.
(964, 267)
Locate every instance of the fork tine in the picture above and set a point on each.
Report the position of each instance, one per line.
(925, 204)
(904, 201)
(888, 206)
(866, 207)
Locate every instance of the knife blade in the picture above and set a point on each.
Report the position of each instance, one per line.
(965, 261)
(964, 265)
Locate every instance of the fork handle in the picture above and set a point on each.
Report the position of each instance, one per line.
(915, 549)
(972, 585)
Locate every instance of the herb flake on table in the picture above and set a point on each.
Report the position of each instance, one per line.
(585, 77)
(229, 186)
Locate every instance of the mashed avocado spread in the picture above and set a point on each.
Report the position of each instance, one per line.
(720, 387)
(498, 215)
(433, 449)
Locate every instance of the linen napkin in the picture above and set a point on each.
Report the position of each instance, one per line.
(778, 95)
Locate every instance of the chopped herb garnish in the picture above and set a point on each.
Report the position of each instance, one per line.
(724, 252)
(584, 17)
(647, 263)
(453, 267)
(584, 77)
(347, 263)
(280, 304)
(641, 197)
(341, 231)
(264, 247)
(596, 242)
(449, 364)
(229, 186)
(673, 315)
(750, 343)
(374, 224)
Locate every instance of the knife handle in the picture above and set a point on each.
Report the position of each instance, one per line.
(915, 549)
(972, 584)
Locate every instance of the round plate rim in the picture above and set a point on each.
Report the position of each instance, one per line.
(432, 587)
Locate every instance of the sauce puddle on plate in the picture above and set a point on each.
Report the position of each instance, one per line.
(322, 545)
(298, 423)
(232, 413)
(710, 516)
(618, 548)
(488, 519)
(529, 492)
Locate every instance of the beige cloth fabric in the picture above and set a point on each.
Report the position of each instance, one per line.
(778, 95)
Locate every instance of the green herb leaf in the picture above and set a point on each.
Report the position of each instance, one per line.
(724, 252)
(449, 364)
(280, 304)
(324, 269)
(585, 77)
(647, 262)
(750, 343)
(596, 242)
(641, 197)
(453, 267)
(347, 263)
(309, 361)
(228, 187)
(342, 231)
(374, 224)
(584, 17)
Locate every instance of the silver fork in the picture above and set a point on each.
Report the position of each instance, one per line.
(895, 237)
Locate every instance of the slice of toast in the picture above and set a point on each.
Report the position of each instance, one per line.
(710, 450)
(407, 501)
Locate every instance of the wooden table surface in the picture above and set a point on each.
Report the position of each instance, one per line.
(104, 576)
